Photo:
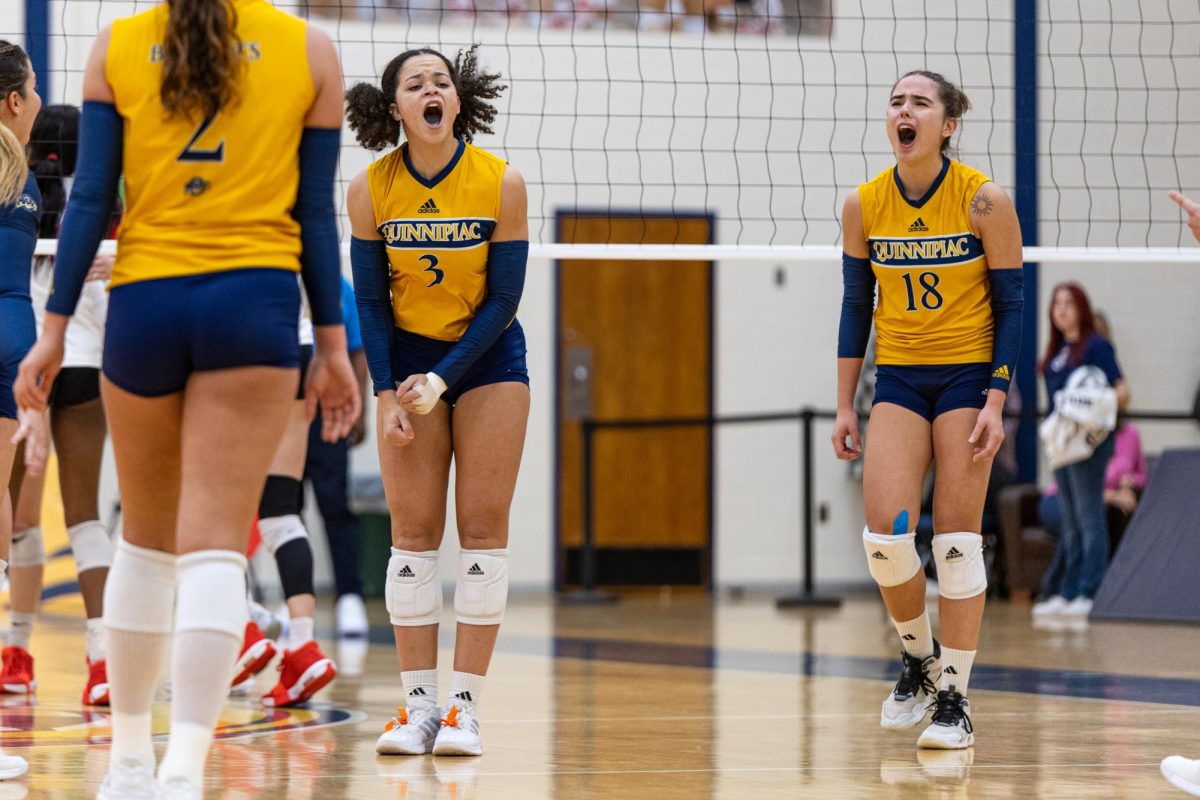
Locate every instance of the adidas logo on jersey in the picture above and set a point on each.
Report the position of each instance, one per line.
(953, 553)
(879, 556)
(406, 572)
(1002, 372)
(428, 207)
(918, 226)
(475, 570)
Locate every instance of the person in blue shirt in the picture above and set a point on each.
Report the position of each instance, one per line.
(20, 205)
(1074, 342)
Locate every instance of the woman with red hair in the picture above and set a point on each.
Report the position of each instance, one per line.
(1074, 343)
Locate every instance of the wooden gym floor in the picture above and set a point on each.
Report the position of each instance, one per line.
(674, 695)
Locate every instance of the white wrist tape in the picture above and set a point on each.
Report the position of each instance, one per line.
(430, 391)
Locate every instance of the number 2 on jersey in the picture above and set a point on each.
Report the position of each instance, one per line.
(192, 153)
(931, 299)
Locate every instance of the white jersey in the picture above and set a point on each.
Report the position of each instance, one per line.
(85, 332)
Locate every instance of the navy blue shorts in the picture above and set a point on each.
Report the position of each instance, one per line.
(17, 333)
(503, 361)
(934, 389)
(161, 331)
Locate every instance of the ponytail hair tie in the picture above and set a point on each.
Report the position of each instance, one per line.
(52, 157)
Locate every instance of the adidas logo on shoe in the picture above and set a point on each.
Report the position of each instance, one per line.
(474, 570)
(953, 553)
(406, 572)
(918, 226)
(877, 554)
(428, 207)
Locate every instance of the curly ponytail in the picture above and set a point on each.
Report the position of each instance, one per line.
(53, 149)
(368, 107)
(201, 57)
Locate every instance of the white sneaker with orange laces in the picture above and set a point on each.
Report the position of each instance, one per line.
(411, 732)
(459, 735)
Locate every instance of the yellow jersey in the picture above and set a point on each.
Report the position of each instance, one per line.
(934, 294)
(436, 232)
(210, 194)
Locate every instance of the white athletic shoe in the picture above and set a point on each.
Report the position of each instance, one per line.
(914, 692)
(1183, 773)
(1050, 607)
(351, 616)
(128, 778)
(459, 735)
(951, 727)
(12, 766)
(1079, 607)
(411, 732)
(179, 788)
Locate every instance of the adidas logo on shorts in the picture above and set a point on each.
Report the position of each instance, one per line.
(406, 572)
(879, 556)
(428, 207)
(953, 553)
(474, 570)
(918, 226)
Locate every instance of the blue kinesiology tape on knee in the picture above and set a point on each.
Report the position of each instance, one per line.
(901, 524)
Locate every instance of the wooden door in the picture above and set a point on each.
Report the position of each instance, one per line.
(642, 330)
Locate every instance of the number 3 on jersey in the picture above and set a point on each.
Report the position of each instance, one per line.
(931, 299)
(193, 153)
(432, 267)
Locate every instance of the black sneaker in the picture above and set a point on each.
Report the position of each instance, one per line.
(914, 692)
(951, 727)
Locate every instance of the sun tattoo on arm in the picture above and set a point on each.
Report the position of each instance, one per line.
(981, 205)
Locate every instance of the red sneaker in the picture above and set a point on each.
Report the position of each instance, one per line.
(96, 691)
(16, 671)
(257, 652)
(303, 673)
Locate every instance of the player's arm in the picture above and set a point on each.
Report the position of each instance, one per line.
(508, 252)
(994, 220)
(854, 329)
(372, 285)
(101, 144)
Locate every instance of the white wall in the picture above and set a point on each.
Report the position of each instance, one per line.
(781, 129)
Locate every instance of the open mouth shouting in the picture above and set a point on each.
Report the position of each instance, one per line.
(433, 114)
(906, 134)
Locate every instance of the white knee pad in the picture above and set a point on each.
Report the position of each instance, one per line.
(893, 560)
(28, 549)
(960, 568)
(90, 545)
(278, 531)
(481, 592)
(413, 590)
(212, 593)
(139, 595)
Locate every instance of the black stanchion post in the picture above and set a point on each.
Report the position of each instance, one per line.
(807, 598)
(589, 594)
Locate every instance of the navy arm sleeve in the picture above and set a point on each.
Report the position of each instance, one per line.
(372, 296)
(505, 282)
(89, 210)
(320, 255)
(858, 304)
(1008, 303)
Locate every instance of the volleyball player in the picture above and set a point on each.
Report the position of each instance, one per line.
(440, 243)
(20, 206)
(1184, 773)
(77, 426)
(944, 245)
(229, 154)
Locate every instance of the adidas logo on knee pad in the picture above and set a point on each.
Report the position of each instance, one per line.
(475, 570)
(406, 572)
